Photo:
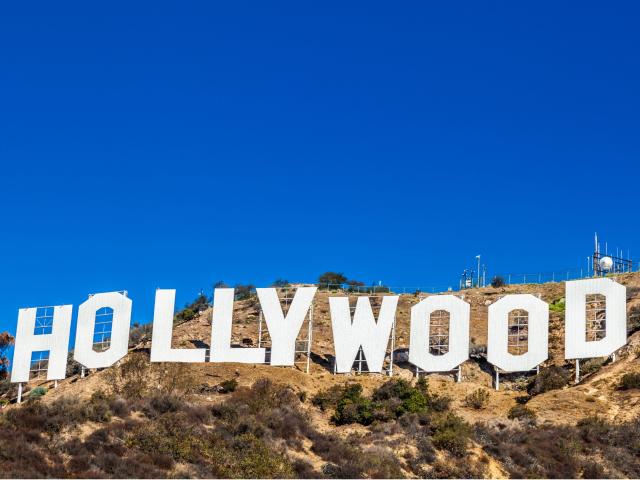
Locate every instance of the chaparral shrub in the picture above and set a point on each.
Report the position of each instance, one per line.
(550, 378)
(477, 399)
(630, 381)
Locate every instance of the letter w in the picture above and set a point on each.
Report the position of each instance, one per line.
(363, 331)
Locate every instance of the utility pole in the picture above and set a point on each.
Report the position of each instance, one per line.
(478, 258)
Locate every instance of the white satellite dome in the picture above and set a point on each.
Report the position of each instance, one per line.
(606, 263)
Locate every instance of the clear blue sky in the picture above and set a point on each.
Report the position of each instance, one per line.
(146, 144)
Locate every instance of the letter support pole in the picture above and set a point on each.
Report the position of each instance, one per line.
(577, 370)
(19, 392)
(497, 379)
(393, 347)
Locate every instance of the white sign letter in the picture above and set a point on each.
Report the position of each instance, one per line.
(364, 331)
(161, 350)
(221, 321)
(537, 332)
(120, 324)
(575, 341)
(284, 330)
(458, 352)
(27, 342)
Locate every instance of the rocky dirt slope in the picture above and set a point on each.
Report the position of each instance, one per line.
(597, 393)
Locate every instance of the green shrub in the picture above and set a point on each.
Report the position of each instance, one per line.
(353, 407)
(592, 366)
(630, 381)
(328, 398)
(331, 280)
(550, 378)
(558, 305)
(452, 433)
(37, 393)
(521, 412)
(477, 399)
(244, 292)
(98, 407)
(497, 282)
(439, 403)
(392, 400)
(129, 378)
(228, 386)
(184, 316)
(399, 397)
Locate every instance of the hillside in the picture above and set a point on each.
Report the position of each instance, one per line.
(192, 420)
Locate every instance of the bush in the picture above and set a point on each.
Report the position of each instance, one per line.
(497, 282)
(184, 315)
(439, 403)
(98, 408)
(550, 378)
(353, 407)
(477, 399)
(398, 397)
(139, 333)
(630, 381)
(129, 378)
(453, 434)
(37, 393)
(228, 386)
(392, 400)
(563, 451)
(244, 292)
(592, 366)
(331, 280)
(329, 398)
(521, 412)
(191, 310)
(558, 305)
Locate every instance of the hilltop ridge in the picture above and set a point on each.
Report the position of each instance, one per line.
(598, 395)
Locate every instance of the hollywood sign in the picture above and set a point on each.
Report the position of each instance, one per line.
(350, 333)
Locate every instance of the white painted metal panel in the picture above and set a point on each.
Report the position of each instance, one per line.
(538, 333)
(576, 344)
(363, 331)
(161, 350)
(57, 342)
(221, 324)
(459, 312)
(284, 330)
(120, 326)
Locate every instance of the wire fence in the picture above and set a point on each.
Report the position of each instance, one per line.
(563, 275)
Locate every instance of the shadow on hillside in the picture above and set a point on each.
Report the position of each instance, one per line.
(325, 361)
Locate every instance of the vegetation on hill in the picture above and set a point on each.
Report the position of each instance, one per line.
(163, 430)
(138, 419)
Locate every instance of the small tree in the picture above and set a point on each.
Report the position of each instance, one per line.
(477, 399)
(497, 282)
(280, 283)
(329, 279)
(550, 378)
(244, 292)
(6, 341)
(630, 381)
(521, 412)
